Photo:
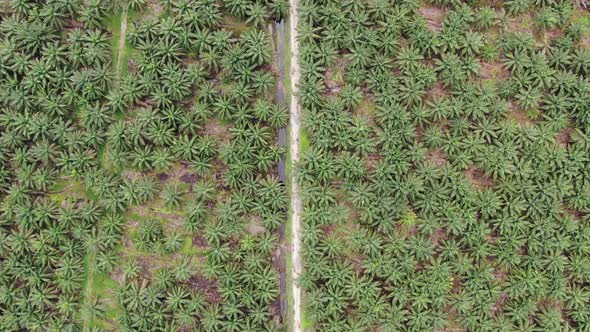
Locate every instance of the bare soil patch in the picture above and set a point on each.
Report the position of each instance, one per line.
(155, 8)
(521, 23)
(332, 87)
(130, 174)
(200, 241)
(177, 171)
(437, 236)
(188, 178)
(175, 219)
(373, 160)
(143, 211)
(163, 177)
(437, 91)
(434, 16)
(437, 157)
(499, 305)
(357, 264)
(563, 138)
(216, 129)
(554, 33)
(329, 229)
(493, 70)
(208, 287)
(478, 178)
(519, 116)
(255, 225)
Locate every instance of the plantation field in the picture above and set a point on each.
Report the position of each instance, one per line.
(446, 180)
(139, 178)
(294, 165)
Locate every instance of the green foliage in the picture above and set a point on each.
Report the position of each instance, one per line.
(462, 198)
(67, 118)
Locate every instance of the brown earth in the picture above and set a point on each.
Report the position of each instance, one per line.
(563, 138)
(437, 157)
(437, 91)
(208, 287)
(493, 70)
(477, 178)
(434, 16)
(216, 129)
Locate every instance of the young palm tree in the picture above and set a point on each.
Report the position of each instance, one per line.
(172, 194)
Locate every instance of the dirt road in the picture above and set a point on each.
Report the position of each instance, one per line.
(296, 204)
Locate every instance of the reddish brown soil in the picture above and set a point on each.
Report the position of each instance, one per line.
(333, 87)
(434, 16)
(208, 287)
(554, 33)
(188, 178)
(436, 92)
(499, 305)
(328, 229)
(373, 160)
(200, 241)
(437, 236)
(563, 138)
(477, 178)
(419, 134)
(357, 264)
(156, 8)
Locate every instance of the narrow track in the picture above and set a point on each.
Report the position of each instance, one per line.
(89, 291)
(296, 204)
(121, 47)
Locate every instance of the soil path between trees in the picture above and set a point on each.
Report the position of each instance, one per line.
(89, 291)
(296, 204)
(122, 35)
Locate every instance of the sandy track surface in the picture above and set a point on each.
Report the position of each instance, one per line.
(296, 204)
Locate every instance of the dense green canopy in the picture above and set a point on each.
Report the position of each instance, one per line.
(446, 181)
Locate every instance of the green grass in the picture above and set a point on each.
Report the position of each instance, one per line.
(65, 189)
(114, 26)
(583, 18)
(303, 142)
(366, 107)
(190, 250)
(101, 286)
(233, 24)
